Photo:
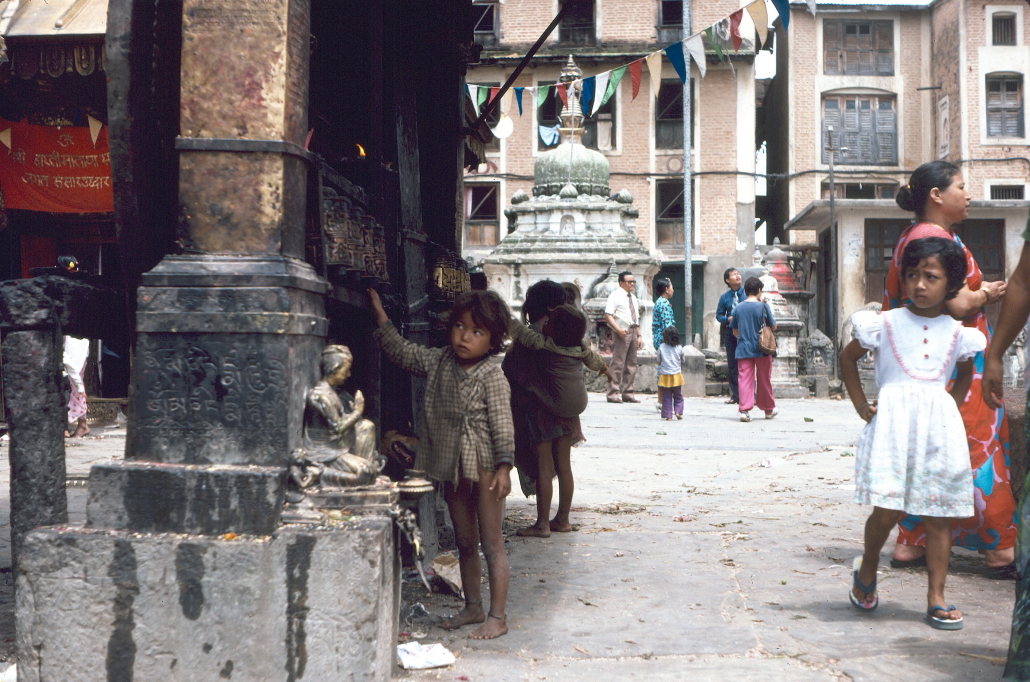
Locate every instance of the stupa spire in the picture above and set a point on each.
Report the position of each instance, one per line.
(572, 115)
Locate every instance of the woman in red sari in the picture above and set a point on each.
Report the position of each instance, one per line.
(936, 194)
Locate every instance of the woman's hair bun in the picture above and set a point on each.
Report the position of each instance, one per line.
(905, 200)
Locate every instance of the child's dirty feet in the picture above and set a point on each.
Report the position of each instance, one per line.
(494, 627)
(533, 531)
(472, 613)
(562, 527)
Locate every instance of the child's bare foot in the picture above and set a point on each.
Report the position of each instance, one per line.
(494, 627)
(472, 613)
(533, 531)
(562, 527)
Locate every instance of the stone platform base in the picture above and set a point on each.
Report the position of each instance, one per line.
(646, 380)
(307, 602)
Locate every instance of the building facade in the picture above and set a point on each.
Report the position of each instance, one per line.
(641, 137)
(883, 88)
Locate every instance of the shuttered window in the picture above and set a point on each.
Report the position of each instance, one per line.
(864, 130)
(1003, 28)
(668, 124)
(880, 238)
(577, 27)
(1007, 192)
(669, 212)
(482, 214)
(858, 48)
(1005, 106)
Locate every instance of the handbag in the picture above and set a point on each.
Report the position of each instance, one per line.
(766, 337)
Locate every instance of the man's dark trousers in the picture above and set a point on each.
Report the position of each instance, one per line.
(731, 363)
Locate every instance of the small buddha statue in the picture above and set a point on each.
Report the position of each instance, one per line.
(337, 439)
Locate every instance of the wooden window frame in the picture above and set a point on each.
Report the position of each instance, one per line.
(880, 237)
(552, 104)
(664, 22)
(668, 113)
(668, 231)
(986, 238)
(1003, 28)
(1006, 116)
(1016, 192)
(576, 30)
(844, 56)
(870, 139)
(475, 228)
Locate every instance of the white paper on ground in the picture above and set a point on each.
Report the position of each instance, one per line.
(414, 656)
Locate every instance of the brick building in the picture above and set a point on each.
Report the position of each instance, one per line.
(642, 138)
(889, 86)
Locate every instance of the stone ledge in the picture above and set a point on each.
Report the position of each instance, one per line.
(311, 603)
(152, 497)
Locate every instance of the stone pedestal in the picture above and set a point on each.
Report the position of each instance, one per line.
(312, 603)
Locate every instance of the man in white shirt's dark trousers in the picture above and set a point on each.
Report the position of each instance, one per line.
(622, 313)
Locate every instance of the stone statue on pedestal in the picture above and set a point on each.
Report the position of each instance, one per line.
(339, 444)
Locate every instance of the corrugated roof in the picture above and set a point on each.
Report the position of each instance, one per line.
(52, 18)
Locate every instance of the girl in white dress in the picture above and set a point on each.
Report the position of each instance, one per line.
(912, 456)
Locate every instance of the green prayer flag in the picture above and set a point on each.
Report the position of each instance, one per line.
(542, 93)
(711, 41)
(613, 83)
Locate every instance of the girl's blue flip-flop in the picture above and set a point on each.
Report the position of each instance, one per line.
(943, 623)
(867, 589)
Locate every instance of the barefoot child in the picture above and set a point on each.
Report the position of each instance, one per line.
(912, 456)
(670, 373)
(549, 393)
(467, 440)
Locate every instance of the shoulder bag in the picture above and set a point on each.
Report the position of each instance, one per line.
(766, 337)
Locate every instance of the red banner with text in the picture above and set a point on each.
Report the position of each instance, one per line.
(62, 169)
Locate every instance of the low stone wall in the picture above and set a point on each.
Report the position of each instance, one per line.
(307, 602)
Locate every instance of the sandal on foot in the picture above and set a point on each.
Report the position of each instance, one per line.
(908, 563)
(867, 589)
(942, 623)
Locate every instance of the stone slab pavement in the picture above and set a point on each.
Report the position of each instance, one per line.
(693, 561)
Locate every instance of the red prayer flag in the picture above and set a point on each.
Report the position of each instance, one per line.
(55, 169)
(563, 93)
(735, 36)
(493, 93)
(634, 76)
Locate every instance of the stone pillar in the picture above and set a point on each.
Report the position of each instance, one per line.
(229, 336)
(35, 313)
(37, 416)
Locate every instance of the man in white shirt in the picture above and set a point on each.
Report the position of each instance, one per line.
(622, 313)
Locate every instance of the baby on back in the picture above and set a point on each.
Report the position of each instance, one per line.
(555, 377)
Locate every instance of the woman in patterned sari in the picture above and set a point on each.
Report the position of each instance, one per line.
(936, 194)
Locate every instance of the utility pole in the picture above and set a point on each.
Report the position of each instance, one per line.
(688, 204)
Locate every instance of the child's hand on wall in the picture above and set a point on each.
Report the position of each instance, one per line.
(377, 308)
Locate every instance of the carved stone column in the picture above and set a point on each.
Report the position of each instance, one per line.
(230, 334)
